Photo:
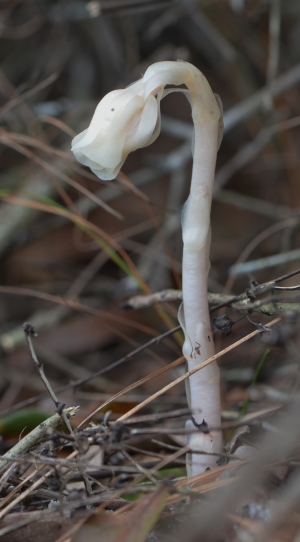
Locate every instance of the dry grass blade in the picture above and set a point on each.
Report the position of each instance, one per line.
(9, 140)
(131, 387)
(175, 363)
(89, 227)
(189, 373)
(28, 94)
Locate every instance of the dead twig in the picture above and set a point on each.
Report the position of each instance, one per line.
(34, 437)
(29, 334)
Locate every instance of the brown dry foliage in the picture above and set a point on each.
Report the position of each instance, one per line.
(62, 232)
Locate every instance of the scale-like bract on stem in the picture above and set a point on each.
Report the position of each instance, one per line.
(126, 120)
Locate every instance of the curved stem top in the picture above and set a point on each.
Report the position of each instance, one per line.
(128, 119)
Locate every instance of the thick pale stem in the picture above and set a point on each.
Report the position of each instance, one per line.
(204, 386)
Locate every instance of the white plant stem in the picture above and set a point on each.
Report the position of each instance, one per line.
(204, 386)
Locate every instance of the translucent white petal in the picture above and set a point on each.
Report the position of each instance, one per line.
(104, 149)
(141, 132)
(109, 110)
(107, 174)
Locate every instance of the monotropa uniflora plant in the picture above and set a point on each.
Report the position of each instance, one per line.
(129, 119)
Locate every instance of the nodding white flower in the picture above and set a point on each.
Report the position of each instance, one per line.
(129, 119)
(126, 120)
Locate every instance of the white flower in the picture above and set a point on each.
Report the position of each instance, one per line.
(125, 120)
(129, 119)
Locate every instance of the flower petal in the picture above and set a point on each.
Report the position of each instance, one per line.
(140, 133)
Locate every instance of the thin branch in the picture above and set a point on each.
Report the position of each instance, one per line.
(265, 263)
(186, 375)
(29, 334)
(32, 439)
(272, 306)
